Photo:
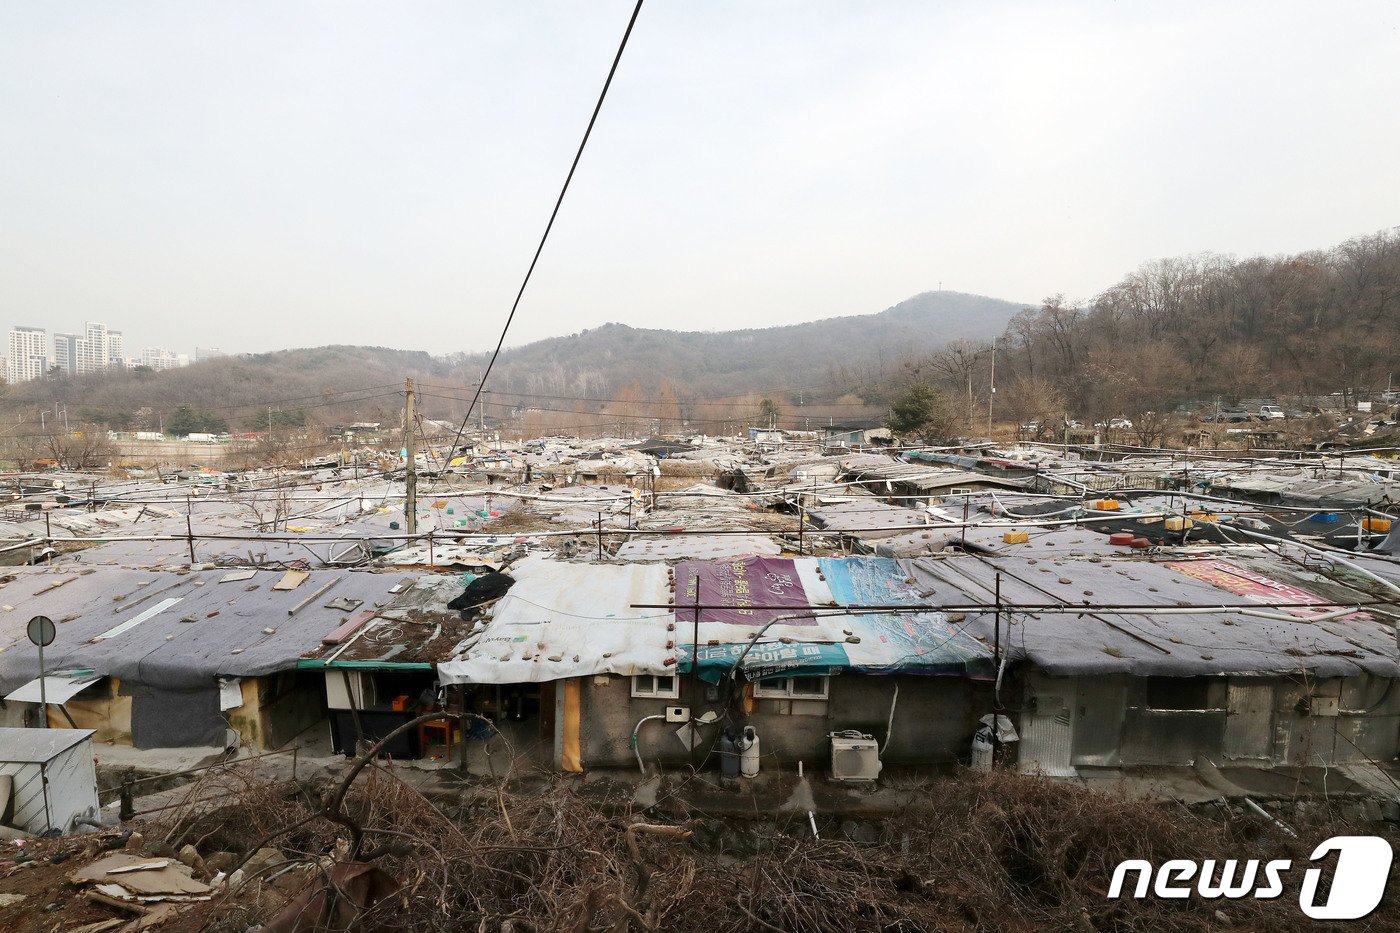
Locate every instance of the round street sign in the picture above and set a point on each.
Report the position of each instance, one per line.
(41, 631)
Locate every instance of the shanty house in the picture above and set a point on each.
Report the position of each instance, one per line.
(1231, 659)
(600, 641)
(202, 658)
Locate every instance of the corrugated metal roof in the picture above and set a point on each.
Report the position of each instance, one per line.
(37, 746)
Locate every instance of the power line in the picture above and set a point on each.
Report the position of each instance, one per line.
(549, 226)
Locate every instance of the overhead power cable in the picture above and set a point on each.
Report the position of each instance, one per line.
(549, 226)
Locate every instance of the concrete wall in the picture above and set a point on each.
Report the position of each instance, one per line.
(1244, 720)
(934, 720)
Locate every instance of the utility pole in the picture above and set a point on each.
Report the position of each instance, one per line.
(410, 504)
(992, 395)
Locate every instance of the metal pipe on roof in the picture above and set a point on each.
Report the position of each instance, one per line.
(1085, 608)
(1330, 554)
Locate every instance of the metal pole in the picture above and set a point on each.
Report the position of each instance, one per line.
(996, 671)
(991, 396)
(410, 506)
(695, 654)
(189, 536)
(43, 695)
(600, 535)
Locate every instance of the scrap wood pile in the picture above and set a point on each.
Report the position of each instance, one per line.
(987, 852)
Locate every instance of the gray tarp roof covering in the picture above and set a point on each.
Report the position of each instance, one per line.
(226, 636)
(1308, 488)
(696, 547)
(1193, 644)
(867, 519)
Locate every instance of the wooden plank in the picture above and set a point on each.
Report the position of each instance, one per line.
(116, 902)
(346, 629)
(291, 580)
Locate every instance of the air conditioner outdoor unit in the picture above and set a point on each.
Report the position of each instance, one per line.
(854, 758)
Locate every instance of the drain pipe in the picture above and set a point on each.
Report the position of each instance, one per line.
(811, 816)
(889, 726)
(636, 729)
(1270, 817)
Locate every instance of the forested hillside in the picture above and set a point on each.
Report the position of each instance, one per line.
(1183, 333)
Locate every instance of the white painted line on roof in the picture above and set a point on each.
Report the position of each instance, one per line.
(155, 610)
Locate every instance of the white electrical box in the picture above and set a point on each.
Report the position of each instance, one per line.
(678, 714)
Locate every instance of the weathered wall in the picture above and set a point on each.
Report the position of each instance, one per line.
(1248, 720)
(109, 714)
(935, 718)
(277, 708)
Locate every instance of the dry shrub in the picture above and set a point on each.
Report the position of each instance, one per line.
(999, 852)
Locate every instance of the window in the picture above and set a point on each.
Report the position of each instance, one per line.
(1183, 693)
(663, 686)
(791, 688)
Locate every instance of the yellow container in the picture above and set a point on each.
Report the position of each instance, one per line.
(1106, 505)
(1376, 524)
(1015, 537)
(1177, 523)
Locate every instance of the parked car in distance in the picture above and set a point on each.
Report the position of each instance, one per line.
(1268, 412)
(1228, 415)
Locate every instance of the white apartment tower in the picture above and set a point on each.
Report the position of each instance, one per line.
(94, 349)
(65, 353)
(116, 349)
(29, 357)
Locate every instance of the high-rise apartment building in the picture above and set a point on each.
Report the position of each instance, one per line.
(207, 353)
(116, 346)
(65, 353)
(159, 358)
(29, 357)
(94, 348)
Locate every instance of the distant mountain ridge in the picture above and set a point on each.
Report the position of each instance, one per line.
(835, 352)
(736, 360)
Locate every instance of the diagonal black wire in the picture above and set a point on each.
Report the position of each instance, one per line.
(548, 227)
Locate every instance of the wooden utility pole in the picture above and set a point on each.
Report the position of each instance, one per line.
(410, 504)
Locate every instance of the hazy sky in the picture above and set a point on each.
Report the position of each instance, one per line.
(265, 175)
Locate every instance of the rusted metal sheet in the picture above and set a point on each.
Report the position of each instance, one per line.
(1249, 721)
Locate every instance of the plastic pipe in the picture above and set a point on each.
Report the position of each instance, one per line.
(636, 729)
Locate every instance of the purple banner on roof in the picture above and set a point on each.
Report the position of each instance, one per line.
(741, 583)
